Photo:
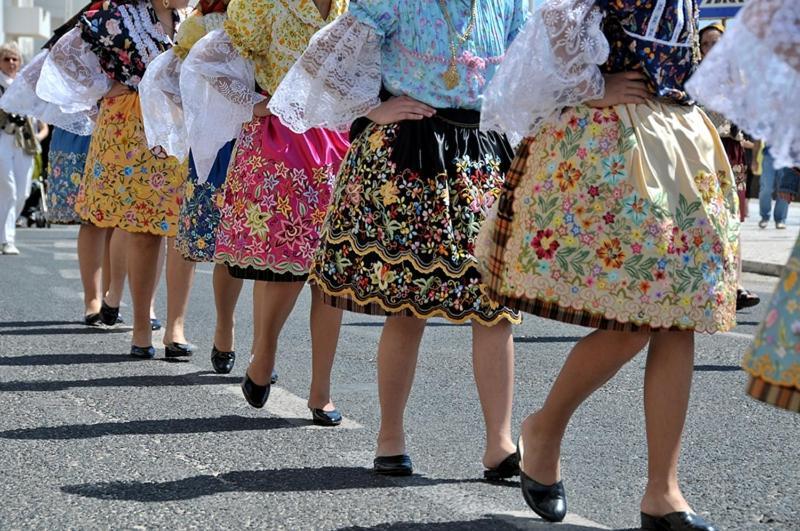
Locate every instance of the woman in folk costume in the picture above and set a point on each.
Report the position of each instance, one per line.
(69, 145)
(413, 190)
(126, 185)
(752, 76)
(279, 184)
(200, 212)
(620, 214)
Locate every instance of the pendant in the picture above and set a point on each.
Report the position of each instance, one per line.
(451, 76)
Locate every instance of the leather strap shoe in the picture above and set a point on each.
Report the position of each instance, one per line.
(393, 465)
(677, 521)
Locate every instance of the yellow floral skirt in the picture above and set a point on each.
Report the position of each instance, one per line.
(125, 184)
(623, 218)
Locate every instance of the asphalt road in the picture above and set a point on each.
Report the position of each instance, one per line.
(90, 438)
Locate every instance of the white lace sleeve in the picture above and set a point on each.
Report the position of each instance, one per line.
(72, 77)
(162, 111)
(335, 81)
(218, 92)
(553, 63)
(752, 76)
(21, 98)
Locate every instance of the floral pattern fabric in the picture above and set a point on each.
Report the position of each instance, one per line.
(416, 48)
(66, 162)
(592, 230)
(773, 360)
(125, 38)
(202, 209)
(274, 33)
(276, 196)
(400, 237)
(126, 185)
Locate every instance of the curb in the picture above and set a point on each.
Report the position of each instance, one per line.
(762, 268)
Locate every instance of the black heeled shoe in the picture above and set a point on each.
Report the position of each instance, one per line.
(256, 395)
(93, 320)
(109, 315)
(677, 521)
(179, 350)
(222, 361)
(548, 501)
(393, 465)
(146, 353)
(507, 469)
(325, 418)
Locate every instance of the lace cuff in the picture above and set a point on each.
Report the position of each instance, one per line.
(162, 113)
(72, 77)
(218, 91)
(752, 76)
(553, 63)
(21, 98)
(337, 79)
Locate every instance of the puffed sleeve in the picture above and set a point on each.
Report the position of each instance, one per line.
(381, 15)
(752, 76)
(21, 99)
(553, 63)
(71, 76)
(338, 77)
(160, 101)
(218, 92)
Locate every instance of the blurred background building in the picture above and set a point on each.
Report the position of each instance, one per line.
(30, 22)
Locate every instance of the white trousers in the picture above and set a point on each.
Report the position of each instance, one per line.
(16, 170)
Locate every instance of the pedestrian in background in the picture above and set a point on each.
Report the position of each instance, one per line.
(767, 193)
(19, 144)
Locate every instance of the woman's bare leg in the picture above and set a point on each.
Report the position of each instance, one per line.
(493, 366)
(325, 325)
(397, 362)
(594, 360)
(226, 294)
(142, 274)
(91, 251)
(162, 258)
(180, 274)
(118, 267)
(667, 384)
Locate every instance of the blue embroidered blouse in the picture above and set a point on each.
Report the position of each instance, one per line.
(415, 50)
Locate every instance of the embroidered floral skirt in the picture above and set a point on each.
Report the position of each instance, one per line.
(410, 199)
(623, 218)
(67, 160)
(276, 195)
(201, 210)
(125, 184)
(773, 360)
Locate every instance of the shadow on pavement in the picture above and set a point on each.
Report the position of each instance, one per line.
(82, 329)
(64, 359)
(23, 324)
(282, 480)
(180, 380)
(548, 339)
(488, 521)
(223, 424)
(717, 368)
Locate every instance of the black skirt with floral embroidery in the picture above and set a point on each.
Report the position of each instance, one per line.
(409, 202)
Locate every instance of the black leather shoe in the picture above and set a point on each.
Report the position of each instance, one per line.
(507, 469)
(256, 395)
(147, 353)
(222, 361)
(548, 501)
(393, 465)
(678, 521)
(109, 315)
(274, 378)
(93, 319)
(326, 418)
(179, 350)
(155, 324)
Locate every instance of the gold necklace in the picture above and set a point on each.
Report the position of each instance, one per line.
(451, 76)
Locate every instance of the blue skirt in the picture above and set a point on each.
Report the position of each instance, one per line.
(67, 160)
(200, 211)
